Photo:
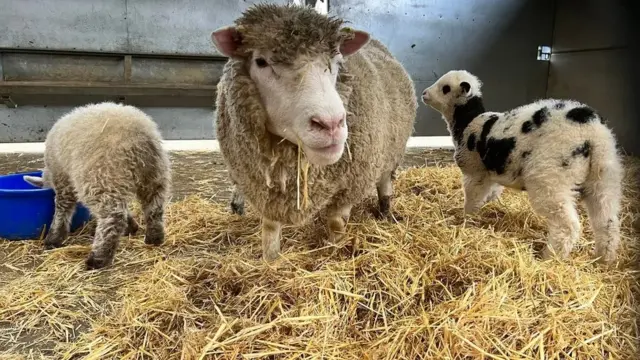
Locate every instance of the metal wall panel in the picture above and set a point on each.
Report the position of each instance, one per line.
(83, 25)
(154, 70)
(589, 24)
(31, 123)
(590, 62)
(495, 39)
(600, 79)
(47, 67)
(183, 27)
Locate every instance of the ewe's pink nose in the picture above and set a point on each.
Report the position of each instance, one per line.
(330, 124)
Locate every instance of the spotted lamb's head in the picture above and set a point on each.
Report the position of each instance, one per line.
(454, 88)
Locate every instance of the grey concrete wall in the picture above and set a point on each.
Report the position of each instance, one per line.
(31, 123)
(122, 26)
(590, 62)
(495, 39)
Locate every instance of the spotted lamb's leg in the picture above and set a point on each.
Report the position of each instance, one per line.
(237, 201)
(494, 193)
(65, 204)
(603, 206)
(557, 206)
(112, 224)
(271, 234)
(337, 218)
(476, 190)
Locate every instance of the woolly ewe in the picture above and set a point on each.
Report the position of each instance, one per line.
(295, 77)
(556, 150)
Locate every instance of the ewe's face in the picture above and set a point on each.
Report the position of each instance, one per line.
(300, 96)
(453, 88)
(303, 103)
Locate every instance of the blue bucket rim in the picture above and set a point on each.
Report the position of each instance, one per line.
(24, 191)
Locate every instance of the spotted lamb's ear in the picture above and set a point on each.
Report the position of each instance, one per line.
(34, 180)
(465, 88)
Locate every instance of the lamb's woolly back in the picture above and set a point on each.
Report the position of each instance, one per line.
(105, 155)
(114, 138)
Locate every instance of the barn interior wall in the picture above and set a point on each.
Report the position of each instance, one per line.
(591, 62)
(169, 44)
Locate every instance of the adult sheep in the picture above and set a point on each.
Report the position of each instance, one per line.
(296, 81)
(104, 155)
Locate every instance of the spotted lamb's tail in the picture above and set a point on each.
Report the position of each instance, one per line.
(603, 192)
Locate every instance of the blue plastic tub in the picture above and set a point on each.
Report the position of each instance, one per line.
(26, 210)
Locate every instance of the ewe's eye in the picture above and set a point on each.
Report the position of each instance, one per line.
(261, 63)
(446, 89)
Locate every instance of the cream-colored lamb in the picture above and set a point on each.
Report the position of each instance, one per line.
(104, 155)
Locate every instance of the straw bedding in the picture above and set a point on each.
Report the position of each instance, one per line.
(431, 286)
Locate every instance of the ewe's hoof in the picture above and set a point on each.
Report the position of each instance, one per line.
(270, 256)
(154, 237)
(237, 208)
(132, 227)
(607, 259)
(94, 263)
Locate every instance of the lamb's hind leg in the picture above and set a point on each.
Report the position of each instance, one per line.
(559, 209)
(132, 225)
(65, 204)
(153, 204)
(603, 207)
(112, 223)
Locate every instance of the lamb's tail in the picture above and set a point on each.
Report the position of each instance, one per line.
(603, 192)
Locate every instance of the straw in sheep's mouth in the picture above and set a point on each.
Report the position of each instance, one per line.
(303, 171)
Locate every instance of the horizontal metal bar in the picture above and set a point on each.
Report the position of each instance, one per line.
(135, 55)
(110, 89)
(553, 52)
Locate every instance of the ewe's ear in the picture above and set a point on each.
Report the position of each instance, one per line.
(227, 40)
(351, 46)
(34, 180)
(465, 87)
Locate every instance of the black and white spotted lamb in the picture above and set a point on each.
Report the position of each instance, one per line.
(556, 150)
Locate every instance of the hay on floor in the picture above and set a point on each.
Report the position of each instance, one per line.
(432, 286)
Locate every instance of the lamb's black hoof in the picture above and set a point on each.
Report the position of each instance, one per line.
(94, 263)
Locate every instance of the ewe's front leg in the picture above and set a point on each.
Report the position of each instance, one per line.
(271, 234)
(384, 187)
(337, 218)
(237, 201)
(476, 190)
